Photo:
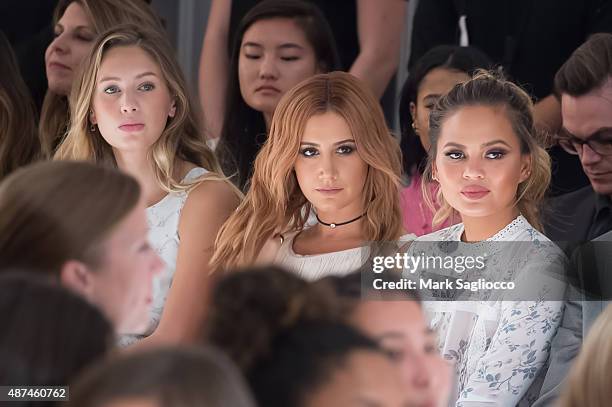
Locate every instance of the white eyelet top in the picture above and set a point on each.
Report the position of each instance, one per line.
(163, 220)
(499, 347)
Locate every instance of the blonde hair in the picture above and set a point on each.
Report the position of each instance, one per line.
(588, 383)
(180, 140)
(275, 202)
(103, 14)
(53, 212)
(491, 89)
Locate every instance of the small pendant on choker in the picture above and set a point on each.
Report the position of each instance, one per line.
(333, 225)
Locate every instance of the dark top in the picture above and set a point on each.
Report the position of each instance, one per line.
(579, 216)
(530, 38)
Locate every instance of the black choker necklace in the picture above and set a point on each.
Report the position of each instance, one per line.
(333, 225)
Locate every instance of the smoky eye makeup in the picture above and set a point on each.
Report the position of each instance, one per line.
(308, 151)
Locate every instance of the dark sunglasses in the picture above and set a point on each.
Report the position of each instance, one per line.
(600, 142)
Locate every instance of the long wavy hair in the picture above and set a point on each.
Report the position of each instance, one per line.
(104, 15)
(244, 128)
(489, 88)
(275, 201)
(182, 138)
(19, 143)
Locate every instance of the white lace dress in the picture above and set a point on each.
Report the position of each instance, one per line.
(499, 347)
(317, 266)
(163, 220)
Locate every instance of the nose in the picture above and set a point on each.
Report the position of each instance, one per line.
(588, 156)
(473, 169)
(128, 102)
(328, 170)
(422, 372)
(59, 45)
(268, 68)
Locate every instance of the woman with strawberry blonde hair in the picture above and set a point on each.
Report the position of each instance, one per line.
(329, 154)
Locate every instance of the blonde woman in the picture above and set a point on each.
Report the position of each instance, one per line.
(131, 109)
(329, 152)
(588, 384)
(76, 24)
(493, 173)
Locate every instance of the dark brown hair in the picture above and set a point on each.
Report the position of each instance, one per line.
(19, 143)
(287, 335)
(589, 66)
(244, 128)
(49, 334)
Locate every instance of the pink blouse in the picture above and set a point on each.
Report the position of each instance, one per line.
(415, 212)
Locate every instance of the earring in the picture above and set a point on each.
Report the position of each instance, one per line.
(414, 127)
(92, 128)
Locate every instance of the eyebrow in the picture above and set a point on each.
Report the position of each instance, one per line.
(432, 96)
(115, 78)
(308, 143)
(490, 143)
(78, 27)
(288, 45)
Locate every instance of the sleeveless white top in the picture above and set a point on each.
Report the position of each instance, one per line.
(163, 220)
(316, 266)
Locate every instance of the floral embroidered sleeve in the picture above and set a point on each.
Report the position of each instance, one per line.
(518, 350)
(520, 345)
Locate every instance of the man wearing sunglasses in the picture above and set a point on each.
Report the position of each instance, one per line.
(584, 85)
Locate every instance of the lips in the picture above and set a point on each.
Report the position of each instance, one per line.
(329, 191)
(474, 192)
(131, 127)
(58, 65)
(597, 174)
(267, 88)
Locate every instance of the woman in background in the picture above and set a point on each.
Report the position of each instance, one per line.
(432, 77)
(397, 322)
(85, 227)
(177, 377)
(289, 340)
(50, 335)
(279, 44)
